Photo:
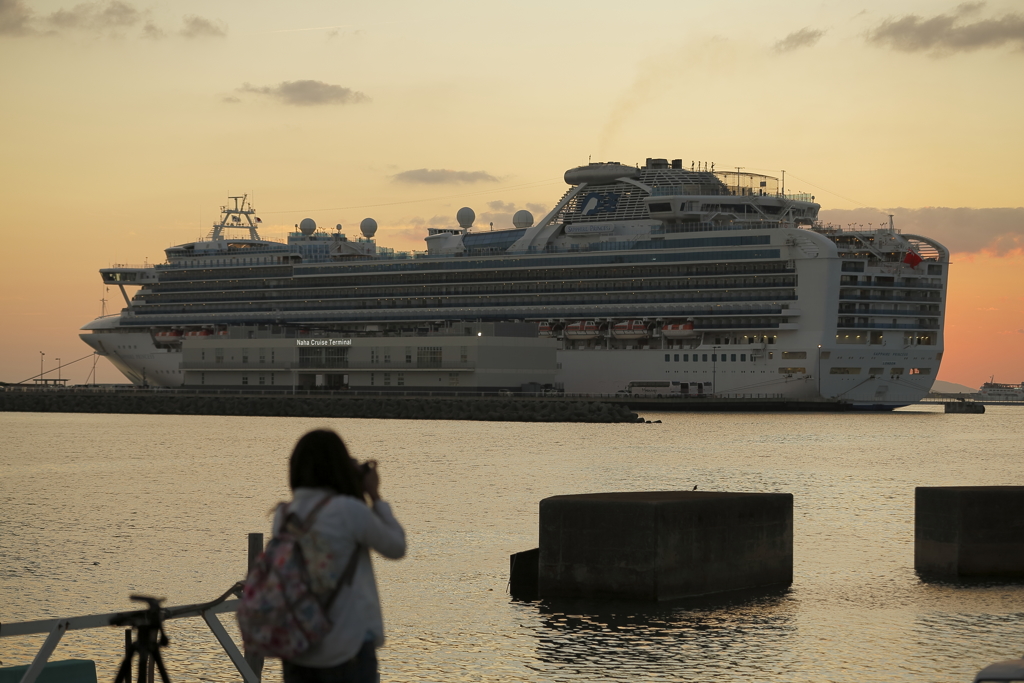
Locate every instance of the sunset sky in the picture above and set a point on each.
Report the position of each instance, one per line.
(126, 124)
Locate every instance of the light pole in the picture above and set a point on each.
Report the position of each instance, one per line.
(714, 370)
(41, 354)
(819, 372)
(58, 371)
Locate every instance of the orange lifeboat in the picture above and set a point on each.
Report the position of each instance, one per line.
(630, 329)
(198, 333)
(679, 330)
(167, 336)
(545, 329)
(582, 329)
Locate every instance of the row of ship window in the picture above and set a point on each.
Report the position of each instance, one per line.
(858, 267)
(482, 276)
(878, 372)
(534, 300)
(506, 288)
(703, 357)
(262, 379)
(218, 355)
(878, 338)
(855, 295)
(574, 262)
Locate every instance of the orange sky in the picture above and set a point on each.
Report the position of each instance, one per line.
(125, 126)
(985, 319)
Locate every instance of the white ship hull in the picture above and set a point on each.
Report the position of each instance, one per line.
(601, 371)
(134, 353)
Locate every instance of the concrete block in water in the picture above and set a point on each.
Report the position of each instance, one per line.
(664, 545)
(522, 583)
(969, 531)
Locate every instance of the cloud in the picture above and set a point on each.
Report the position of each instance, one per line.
(715, 58)
(336, 32)
(997, 231)
(199, 27)
(501, 214)
(307, 93)
(96, 16)
(110, 17)
(434, 220)
(443, 176)
(499, 205)
(805, 37)
(945, 34)
(152, 31)
(15, 18)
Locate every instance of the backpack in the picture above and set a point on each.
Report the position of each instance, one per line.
(281, 614)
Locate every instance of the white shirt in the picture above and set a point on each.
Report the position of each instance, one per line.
(345, 522)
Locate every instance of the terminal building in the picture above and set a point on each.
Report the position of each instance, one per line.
(475, 357)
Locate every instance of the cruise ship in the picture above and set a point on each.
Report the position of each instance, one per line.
(654, 279)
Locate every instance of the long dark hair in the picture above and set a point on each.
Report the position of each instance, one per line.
(320, 460)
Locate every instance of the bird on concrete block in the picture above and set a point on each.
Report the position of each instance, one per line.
(694, 487)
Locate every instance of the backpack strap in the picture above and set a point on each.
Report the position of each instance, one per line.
(304, 527)
(346, 576)
(308, 524)
(301, 526)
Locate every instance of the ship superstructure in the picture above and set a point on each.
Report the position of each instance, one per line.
(655, 279)
(997, 391)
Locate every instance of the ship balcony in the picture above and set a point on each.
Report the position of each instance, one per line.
(855, 295)
(716, 325)
(863, 310)
(128, 275)
(905, 284)
(390, 367)
(212, 366)
(452, 303)
(920, 325)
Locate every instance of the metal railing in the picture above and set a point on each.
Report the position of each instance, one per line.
(887, 326)
(56, 628)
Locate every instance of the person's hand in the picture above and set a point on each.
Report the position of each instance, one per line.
(371, 481)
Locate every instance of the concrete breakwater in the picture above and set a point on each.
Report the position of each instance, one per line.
(499, 409)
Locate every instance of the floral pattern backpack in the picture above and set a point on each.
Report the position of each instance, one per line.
(290, 588)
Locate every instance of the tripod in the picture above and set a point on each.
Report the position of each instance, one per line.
(151, 637)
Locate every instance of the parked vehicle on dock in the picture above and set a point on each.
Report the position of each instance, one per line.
(655, 388)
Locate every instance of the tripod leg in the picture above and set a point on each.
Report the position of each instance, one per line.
(143, 668)
(159, 660)
(124, 672)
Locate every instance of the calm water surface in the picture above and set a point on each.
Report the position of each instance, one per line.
(98, 506)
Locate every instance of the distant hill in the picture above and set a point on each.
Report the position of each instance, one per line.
(941, 387)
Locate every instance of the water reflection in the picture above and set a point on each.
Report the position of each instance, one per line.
(96, 506)
(629, 640)
(945, 642)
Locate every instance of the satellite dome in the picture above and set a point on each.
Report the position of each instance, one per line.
(307, 226)
(368, 227)
(522, 219)
(465, 217)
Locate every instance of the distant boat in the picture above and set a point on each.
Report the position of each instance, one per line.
(994, 391)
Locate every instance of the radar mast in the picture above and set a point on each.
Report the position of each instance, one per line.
(239, 217)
